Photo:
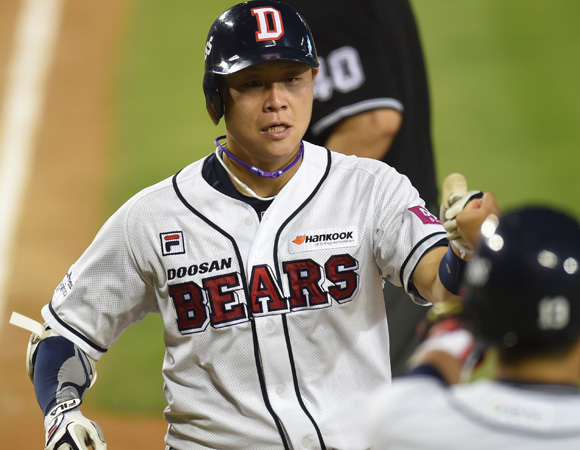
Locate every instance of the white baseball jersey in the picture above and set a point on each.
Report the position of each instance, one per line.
(276, 331)
(418, 413)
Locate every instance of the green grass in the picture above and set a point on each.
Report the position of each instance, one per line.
(505, 100)
(504, 84)
(160, 117)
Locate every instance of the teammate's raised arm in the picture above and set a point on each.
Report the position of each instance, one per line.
(522, 302)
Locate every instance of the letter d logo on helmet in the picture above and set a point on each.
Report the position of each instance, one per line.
(265, 32)
(251, 33)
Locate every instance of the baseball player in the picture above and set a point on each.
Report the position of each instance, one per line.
(523, 299)
(371, 98)
(265, 260)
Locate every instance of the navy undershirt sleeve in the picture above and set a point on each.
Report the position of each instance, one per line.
(56, 358)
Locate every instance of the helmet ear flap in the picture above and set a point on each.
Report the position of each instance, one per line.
(213, 100)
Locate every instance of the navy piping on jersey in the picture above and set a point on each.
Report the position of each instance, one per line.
(214, 226)
(296, 386)
(262, 381)
(75, 332)
(245, 285)
(284, 321)
(216, 176)
(207, 221)
(443, 241)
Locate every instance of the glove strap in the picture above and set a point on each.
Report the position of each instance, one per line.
(54, 417)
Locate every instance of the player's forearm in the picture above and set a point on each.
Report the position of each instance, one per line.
(368, 134)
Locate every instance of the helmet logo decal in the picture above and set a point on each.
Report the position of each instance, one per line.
(270, 26)
(208, 46)
(553, 313)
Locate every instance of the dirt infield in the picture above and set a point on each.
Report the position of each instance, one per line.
(62, 208)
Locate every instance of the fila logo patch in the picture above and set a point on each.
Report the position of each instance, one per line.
(425, 215)
(323, 239)
(270, 26)
(172, 243)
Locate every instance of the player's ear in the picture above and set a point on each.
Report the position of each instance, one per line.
(315, 71)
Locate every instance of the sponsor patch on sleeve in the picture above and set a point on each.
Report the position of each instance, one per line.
(65, 286)
(425, 215)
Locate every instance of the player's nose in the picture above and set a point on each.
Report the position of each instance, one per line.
(275, 98)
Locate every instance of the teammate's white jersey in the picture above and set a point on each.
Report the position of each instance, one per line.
(275, 330)
(418, 413)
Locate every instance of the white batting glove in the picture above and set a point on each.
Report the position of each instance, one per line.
(448, 216)
(70, 430)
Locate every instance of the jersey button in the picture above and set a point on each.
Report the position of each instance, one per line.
(306, 443)
(280, 389)
(248, 221)
(269, 326)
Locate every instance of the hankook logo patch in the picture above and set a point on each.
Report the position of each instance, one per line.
(323, 239)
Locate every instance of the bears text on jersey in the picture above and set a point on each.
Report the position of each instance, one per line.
(221, 300)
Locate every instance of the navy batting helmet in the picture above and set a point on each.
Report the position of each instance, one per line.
(251, 33)
(523, 286)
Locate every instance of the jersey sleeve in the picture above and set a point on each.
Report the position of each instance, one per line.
(405, 230)
(103, 292)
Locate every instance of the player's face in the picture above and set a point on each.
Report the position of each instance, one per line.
(267, 110)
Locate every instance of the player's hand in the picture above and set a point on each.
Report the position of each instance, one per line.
(472, 217)
(73, 431)
(447, 345)
(448, 215)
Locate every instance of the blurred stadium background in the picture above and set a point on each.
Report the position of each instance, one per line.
(505, 91)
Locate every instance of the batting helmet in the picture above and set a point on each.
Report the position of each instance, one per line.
(523, 286)
(251, 33)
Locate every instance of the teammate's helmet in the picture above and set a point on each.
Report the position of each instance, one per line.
(523, 287)
(251, 33)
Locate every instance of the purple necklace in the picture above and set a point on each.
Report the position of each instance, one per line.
(257, 170)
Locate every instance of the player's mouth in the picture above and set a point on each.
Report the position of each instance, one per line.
(276, 129)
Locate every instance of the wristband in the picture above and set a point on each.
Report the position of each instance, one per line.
(451, 271)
